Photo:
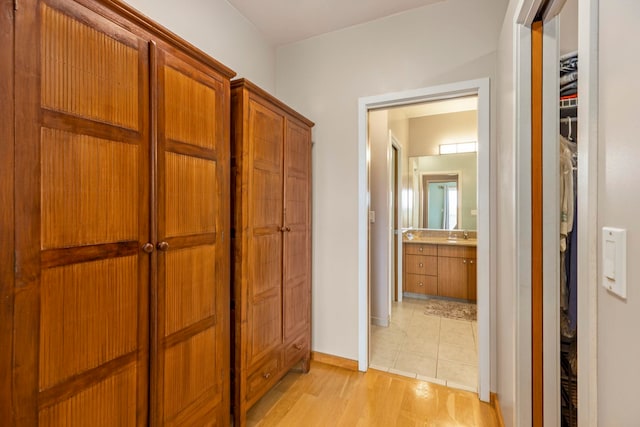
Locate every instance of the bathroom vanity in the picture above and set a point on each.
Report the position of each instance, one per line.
(440, 266)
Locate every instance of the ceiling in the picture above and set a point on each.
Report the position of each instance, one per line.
(288, 21)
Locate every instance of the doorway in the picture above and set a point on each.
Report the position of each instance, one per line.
(475, 87)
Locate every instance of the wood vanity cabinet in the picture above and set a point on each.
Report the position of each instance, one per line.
(421, 269)
(440, 270)
(271, 294)
(457, 272)
(119, 219)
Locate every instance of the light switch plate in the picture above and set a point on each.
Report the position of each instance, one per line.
(614, 260)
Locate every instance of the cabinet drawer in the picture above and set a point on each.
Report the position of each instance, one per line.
(296, 350)
(457, 251)
(418, 264)
(420, 249)
(421, 284)
(264, 375)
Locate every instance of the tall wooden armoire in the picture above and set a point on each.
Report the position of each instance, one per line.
(271, 296)
(115, 204)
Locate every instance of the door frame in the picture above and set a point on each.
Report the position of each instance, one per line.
(395, 241)
(587, 206)
(486, 246)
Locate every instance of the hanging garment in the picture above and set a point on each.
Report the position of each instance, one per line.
(567, 200)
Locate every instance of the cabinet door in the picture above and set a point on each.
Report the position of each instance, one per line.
(82, 213)
(191, 318)
(264, 258)
(297, 250)
(472, 279)
(452, 277)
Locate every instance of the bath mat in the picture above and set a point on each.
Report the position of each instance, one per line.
(451, 309)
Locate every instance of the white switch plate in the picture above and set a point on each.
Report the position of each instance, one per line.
(614, 260)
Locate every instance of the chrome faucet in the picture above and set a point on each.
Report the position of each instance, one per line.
(465, 234)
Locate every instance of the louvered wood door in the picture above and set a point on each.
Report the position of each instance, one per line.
(297, 243)
(265, 203)
(82, 215)
(192, 307)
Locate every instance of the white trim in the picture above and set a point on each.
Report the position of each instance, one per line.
(393, 143)
(551, 222)
(522, 67)
(588, 213)
(486, 247)
(527, 11)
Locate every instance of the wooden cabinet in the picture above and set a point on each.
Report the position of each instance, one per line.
(271, 181)
(120, 307)
(440, 270)
(456, 271)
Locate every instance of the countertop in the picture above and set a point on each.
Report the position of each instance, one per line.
(441, 241)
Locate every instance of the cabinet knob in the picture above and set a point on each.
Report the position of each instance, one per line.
(470, 261)
(266, 375)
(421, 265)
(287, 229)
(421, 249)
(464, 261)
(162, 246)
(298, 346)
(147, 248)
(283, 229)
(420, 284)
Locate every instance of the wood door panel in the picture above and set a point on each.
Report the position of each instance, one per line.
(296, 256)
(452, 277)
(265, 325)
(89, 190)
(192, 363)
(298, 149)
(266, 268)
(88, 73)
(297, 202)
(189, 372)
(190, 287)
(88, 316)
(190, 195)
(190, 110)
(266, 199)
(111, 402)
(296, 308)
(266, 135)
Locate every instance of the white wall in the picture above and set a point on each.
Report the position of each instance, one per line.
(427, 133)
(506, 218)
(323, 78)
(379, 238)
(619, 206)
(569, 27)
(220, 30)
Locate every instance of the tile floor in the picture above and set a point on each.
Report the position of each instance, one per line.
(430, 348)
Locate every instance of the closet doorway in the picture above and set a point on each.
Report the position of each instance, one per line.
(371, 105)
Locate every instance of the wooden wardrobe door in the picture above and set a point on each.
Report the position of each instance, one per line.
(82, 197)
(191, 318)
(264, 258)
(297, 249)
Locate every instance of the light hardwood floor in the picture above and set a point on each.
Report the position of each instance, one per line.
(332, 396)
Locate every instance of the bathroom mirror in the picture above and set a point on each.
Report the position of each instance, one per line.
(442, 192)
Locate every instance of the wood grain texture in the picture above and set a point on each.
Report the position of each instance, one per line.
(333, 396)
(418, 264)
(271, 146)
(6, 207)
(190, 110)
(537, 333)
(421, 284)
(89, 190)
(88, 316)
(337, 361)
(420, 249)
(190, 287)
(111, 402)
(452, 277)
(75, 55)
(189, 372)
